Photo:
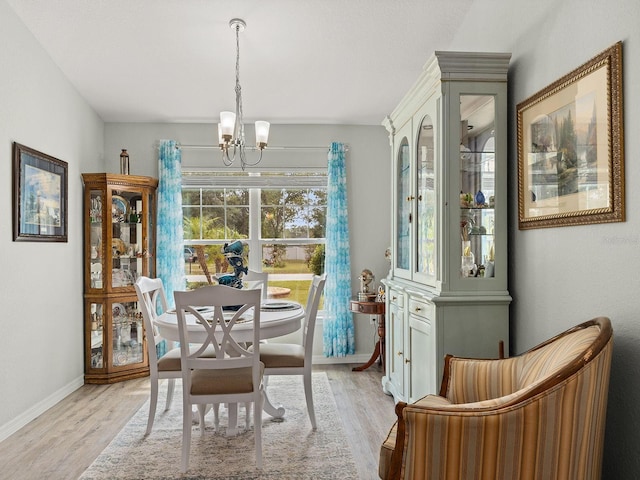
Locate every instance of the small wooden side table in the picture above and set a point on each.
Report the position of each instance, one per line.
(372, 308)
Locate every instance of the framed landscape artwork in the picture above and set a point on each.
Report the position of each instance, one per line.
(39, 196)
(571, 148)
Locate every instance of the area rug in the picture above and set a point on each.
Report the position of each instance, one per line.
(290, 448)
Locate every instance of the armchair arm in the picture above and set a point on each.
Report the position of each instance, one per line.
(395, 466)
(465, 443)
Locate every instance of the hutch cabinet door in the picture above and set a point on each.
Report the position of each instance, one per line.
(403, 205)
(479, 155)
(393, 381)
(425, 267)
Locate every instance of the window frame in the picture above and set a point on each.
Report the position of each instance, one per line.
(254, 182)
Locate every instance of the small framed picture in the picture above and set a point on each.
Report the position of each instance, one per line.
(40, 196)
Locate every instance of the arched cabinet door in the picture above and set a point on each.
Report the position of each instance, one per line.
(426, 261)
(403, 208)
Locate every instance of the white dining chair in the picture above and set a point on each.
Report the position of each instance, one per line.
(151, 296)
(295, 359)
(235, 374)
(255, 279)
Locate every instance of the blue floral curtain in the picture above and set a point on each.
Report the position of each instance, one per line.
(338, 332)
(169, 242)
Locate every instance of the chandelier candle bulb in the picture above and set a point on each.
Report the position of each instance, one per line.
(262, 134)
(227, 125)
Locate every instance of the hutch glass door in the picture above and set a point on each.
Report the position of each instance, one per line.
(403, 206)
(477, 186)
(426, 260)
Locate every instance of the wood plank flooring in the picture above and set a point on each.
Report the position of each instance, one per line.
(64, 441)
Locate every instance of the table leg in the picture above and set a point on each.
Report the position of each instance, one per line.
(374, 357)
(277, 412)
(378, 351)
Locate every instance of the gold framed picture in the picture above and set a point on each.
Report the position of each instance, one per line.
(571, 148)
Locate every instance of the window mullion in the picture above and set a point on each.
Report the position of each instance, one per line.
(201, 214)
(255, 246)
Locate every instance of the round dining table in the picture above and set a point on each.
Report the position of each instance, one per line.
(274, 322)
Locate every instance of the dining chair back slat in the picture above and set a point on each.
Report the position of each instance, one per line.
(260, 280)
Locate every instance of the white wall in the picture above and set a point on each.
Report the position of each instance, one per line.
(562, 276)
(41, 283)
(368, 173)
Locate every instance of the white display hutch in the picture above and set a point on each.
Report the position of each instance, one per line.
(447, 287)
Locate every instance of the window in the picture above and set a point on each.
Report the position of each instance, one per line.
(280, 216)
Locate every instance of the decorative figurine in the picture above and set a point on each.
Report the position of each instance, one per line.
(466, 200)
(381, 295)
(233, 253)
(366, 277)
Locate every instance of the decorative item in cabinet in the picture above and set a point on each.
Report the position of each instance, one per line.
(119, 236)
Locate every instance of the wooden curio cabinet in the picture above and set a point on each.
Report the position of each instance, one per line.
(119, 246)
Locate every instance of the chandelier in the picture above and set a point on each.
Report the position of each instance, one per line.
(231, 126)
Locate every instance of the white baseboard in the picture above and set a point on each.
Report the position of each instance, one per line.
(39, 408)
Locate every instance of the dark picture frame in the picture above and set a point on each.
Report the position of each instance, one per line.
(40, 196)
(571, 148)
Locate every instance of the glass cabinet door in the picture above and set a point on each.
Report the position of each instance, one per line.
(426, 260)
(96, 239)
(126, 334)
(403, 206)
(96, 336)
(477, 186)
(115, 335)
(128, 244)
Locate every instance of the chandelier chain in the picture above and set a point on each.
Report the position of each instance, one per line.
(239, 113)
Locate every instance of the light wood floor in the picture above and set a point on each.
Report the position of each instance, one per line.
(64, 441)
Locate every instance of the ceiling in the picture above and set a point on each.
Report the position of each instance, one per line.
(301, 61)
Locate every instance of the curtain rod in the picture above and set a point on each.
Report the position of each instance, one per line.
(217, 147)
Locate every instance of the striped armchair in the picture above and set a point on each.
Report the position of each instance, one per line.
(539, 415)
